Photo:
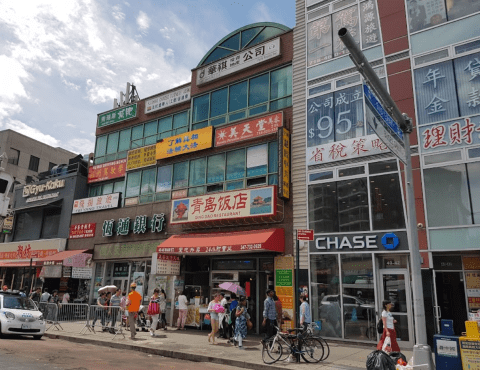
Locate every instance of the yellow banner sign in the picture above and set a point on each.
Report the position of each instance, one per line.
(185, 143)
(141, 157)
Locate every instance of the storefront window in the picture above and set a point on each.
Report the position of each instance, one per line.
(133, 184)
(236, 164)
(197, 172)
(216, 168)
(358, 297)
(325, 303)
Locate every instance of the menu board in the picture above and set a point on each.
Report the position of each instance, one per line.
(472, 280)
(168, 265)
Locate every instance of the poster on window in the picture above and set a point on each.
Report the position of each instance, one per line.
(319, 43)
(369, 24)
(139, 279)
(349, 19)
(284, 287)
(425, 13)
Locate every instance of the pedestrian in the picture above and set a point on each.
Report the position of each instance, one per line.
(388, 328)
(279, 309)
(241, 323)
(54, 297)
(163, 308)
(233, 318)
(22, 293)
(305, 315)
(4, 288)
(66, 297)
(114, 310)
(108, 318)
(45, 296)
(183, 309)
(133, 305)
(154, 310)
(213, 317)
(36, 295)
(123, 307)
(269, 315)
(100, 310)
(222, 317)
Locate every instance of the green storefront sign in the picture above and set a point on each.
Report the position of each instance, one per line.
(283, 278)
(117, 115)
(127, 250)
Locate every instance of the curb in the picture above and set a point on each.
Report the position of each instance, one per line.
(180, 355)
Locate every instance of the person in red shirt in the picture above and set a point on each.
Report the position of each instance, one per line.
(133, 306)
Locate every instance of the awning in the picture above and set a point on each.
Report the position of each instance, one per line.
(270, 240)
(52, 203)
(61, 257)
(18, 264)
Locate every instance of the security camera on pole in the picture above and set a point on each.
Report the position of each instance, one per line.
(394, 128)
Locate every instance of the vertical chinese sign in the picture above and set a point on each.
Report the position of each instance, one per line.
(284, 287)
(284, 163)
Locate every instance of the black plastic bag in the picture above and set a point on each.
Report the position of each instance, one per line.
(379, 360)
(396, 355)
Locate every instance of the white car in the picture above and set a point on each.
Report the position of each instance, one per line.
(20, 316)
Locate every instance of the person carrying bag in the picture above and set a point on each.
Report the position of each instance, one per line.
(154, 311)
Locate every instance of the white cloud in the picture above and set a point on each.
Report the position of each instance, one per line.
(29, 131)
(261, 13)
(170, 53)
(83, 146)
(99, 93)
(117, 13)
(71, 125)
(70, 85)
(166, 32)
(143, 21)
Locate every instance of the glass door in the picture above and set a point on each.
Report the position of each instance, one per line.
(395, 287)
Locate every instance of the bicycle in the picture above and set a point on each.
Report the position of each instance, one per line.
(310, 332)
(310, 348)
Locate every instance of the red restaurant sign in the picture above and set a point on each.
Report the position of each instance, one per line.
(107, 171)
(304, 234)
(79, 231)
(248, 130)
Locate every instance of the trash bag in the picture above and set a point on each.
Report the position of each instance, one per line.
(396, 356)
(379, 360)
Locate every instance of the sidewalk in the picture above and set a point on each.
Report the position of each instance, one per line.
(192, 345)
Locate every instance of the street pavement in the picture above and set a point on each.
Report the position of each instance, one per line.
(17, 353)
(193, 345)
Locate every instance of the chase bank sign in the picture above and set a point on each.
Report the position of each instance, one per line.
(374, 242)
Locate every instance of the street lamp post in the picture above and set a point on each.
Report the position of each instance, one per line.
(422, 354)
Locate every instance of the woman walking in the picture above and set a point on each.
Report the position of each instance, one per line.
(388, 328)
(154, 310)
(214, 317)
(183, 309)
(241, 323)
(163, 307)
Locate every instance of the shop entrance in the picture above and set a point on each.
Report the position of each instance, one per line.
(395, 286)
(122, 284)
(450, 299)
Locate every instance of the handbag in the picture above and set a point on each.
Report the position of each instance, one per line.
(207, 316)
(249, 325)
(153, 308)
(387, 345)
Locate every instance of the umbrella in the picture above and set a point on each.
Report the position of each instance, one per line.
(108, 288)
(231, 287)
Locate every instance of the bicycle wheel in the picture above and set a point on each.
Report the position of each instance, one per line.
(271, 351)
(312, 349)
(326, 348)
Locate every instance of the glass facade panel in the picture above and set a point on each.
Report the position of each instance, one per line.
(107, 188)
(101, 146)
(165, 127)
(322, 208)
(249, 34)
(474, 185)
(467, 86)
(380, 167)
(118, 186)
(148, 181)
(124, 140)
(273, 157)
(112, 145)
(151, 133)
(447, 196)
(325, 302)
(258, 90)
(353, 205)
(257, 160)
(455, 239)
(349, 114)
(216, 168)
(180, 120)
(180, 175)
(218, 102)
(320, 119)
(197, 172)
(281, 83)
(235, 185)
(51, 222)
(238, 97)
(200, 108)
(236, 164)
(387, 211)
(164, 178)
(200, 190)
(358, 296)
(133, 184)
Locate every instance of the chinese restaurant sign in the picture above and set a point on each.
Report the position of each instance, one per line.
(107, 171)
(166, 264)
(185, 143)
(284, 163)
(168, 99)
(117, 115)
(96, 203)
(249, 130)
(31, 249)
(452, 134)
(80, 231)
(284, 287)
(236, 62)
(140, 225)
(346, 149)
(222, 206)
(141, 157)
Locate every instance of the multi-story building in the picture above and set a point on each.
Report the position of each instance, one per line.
(194, 182)
(347, 185)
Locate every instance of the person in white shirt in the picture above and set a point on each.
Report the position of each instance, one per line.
(388, 328)
(66, 297)
(183, 308)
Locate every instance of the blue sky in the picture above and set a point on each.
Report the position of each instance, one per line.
(62, 62)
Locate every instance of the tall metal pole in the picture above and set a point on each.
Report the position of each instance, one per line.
(422, 354)
(297, 284)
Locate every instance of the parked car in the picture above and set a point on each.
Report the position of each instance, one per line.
(20, 316)
(349, 303)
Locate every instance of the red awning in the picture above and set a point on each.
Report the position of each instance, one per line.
(18, 264)
(59, 257)
(270, 240)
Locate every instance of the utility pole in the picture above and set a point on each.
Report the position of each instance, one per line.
(422, 353)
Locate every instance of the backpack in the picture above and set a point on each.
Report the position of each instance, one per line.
(380, 326)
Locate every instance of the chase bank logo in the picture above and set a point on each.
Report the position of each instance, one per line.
(390, 241)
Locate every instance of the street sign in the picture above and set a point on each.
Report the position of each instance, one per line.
(304, 234)
(384, 125)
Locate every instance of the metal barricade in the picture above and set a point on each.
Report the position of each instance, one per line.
(51, 316)
(72, 314)
(108, 318)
